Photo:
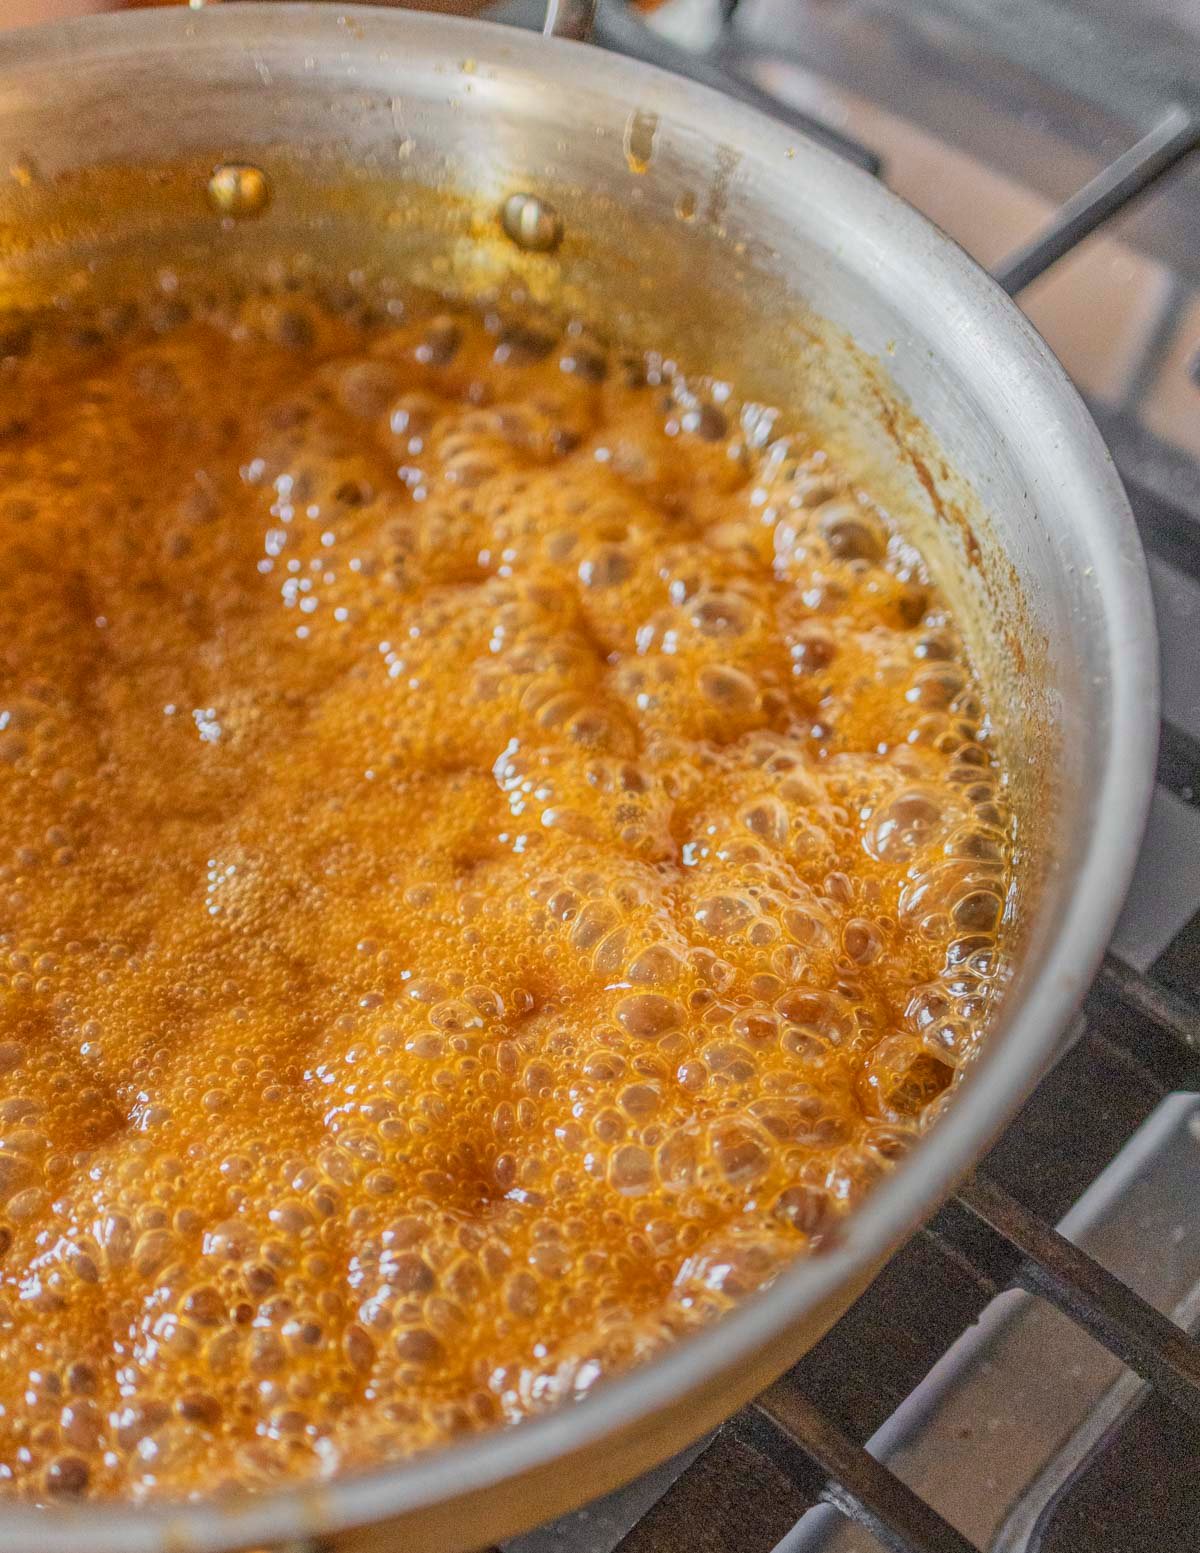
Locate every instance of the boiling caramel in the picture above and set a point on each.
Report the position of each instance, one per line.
(499, 849)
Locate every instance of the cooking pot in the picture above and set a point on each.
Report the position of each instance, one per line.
(479, 158)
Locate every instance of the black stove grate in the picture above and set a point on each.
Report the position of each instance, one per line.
(1175, 135)
(799, 1444)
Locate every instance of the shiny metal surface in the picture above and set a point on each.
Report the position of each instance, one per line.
(1003, 1380)
(799, 274)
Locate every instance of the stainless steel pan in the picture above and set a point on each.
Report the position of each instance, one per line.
(393, 141)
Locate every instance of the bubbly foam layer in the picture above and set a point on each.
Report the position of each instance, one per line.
(499, 850)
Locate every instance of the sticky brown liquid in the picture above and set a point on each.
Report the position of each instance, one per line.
(498, 851)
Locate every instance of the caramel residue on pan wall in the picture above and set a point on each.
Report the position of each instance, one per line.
(900, 427)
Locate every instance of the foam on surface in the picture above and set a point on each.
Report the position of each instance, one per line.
(498, 850)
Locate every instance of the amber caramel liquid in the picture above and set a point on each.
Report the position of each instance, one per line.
(499, 849)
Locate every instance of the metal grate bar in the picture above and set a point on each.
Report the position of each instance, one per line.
(1178, 969)
(734, 1496)
(1179, 764)
(1150, 1000)
(1143, 164)
(1139, 1335)
(1167, 527)
(859, 1486)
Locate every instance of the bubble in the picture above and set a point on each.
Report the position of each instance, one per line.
(728, 688)
(205, 1307)
(639, 1101)
(200, 1409)
(67, 1477)
(677, 1162)
(291, 1216)
(551, 1260)
(806, 1209)
(902, 1078)
(655, 966)
(532, 223)
(979, 911)
(367, 388)
(609, 1126)
(631, 1170)
(720, 614)
(767, 818)
(267, 1353)
(26, 1205)
(408, 1273)
(983, 844)
(239, 190)
(606, 567)
(937, 644)
(649, 1014)
(852, 532)
(610, 956)
(806, 926)
(585, 361)
(135, 1423)
(521, 1296)
(944, 886)
(455, 1016)
(706, 422)
(727, 1062)
(862, 941)
(594, 923)
(81, 1379)
(936, 688)
(441, 342)
(80, 1423)
(360, 1350)
(520, 344)
(724, 915)
(741, 1152)
(603, 1067)
(825, 1014)
(415, 1345)
(904, 825)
